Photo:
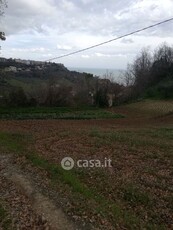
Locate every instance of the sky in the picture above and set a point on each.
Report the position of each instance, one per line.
(44, 29)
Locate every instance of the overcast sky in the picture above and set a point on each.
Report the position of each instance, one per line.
(43, 29)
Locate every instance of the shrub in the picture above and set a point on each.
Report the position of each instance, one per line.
(17, 97)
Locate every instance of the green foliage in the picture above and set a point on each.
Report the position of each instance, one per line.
(134, 196)
(68, 113)
(163, 90)
(12, 142)
(17, 97)
(5, 222)
(152, 75)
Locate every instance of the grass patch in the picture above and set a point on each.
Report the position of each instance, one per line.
(151, 107)
(138, 138)
(104, 206)
(166, 133)
(135, 197)
(67, 113)
(5, 222)
(12, 142)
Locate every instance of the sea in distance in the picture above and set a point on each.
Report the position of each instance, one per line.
(116, 74)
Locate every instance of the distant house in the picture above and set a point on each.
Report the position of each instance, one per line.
(27, 62)
(2, 59)
(11, 69)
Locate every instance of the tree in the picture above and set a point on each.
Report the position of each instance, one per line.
(138, 74)
(129, 76)
(2, 36)
(151, 75)
(17, 97)
(3, 5)
(162, 67)
(141, 69)
(101, 98)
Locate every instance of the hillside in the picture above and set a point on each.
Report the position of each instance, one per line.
(46, 82)
(29, 74)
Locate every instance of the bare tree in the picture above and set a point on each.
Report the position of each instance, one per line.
(142, 67)
(164, 53)
(3, 5)
(129, 76)
(109, 75)
(138, 74)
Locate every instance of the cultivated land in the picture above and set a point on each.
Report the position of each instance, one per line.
(135, 193)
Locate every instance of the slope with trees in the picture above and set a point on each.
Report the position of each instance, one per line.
(52, 84)
(151, 75)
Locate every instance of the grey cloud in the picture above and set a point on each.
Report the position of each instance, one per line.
(127, 40)
(145, 13)
(93, 17)
(62, 15)
(74, 24)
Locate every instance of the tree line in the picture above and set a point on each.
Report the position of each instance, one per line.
(150, 75)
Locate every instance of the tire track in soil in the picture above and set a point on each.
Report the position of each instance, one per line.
(29, 208)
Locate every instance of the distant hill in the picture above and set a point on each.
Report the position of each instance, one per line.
(28, 74)
(51, 84)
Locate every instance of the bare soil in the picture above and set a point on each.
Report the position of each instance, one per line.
(140, 182)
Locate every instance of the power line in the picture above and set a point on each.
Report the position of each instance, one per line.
(111, 40)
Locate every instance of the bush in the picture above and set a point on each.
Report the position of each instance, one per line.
(151, 75)
(101, 98)
(17, 97)
(163, 90)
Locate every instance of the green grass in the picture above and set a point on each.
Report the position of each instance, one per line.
(85, 113)
(135, 197)
(27, 83)
(58, 175)
(5, 222)
(166, 133)
(150, 107)
(12, 142)
(158, 137)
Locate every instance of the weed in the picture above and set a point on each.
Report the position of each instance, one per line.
(5, 221)
(134, 196)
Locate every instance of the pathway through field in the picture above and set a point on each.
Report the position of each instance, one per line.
(28, 206)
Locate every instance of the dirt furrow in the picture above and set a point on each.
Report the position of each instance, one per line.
(28, 208)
